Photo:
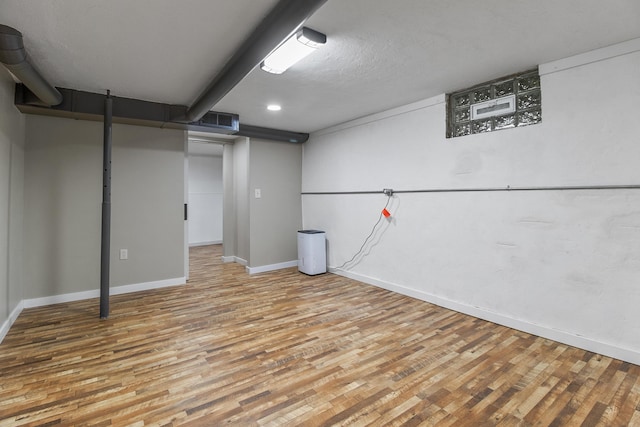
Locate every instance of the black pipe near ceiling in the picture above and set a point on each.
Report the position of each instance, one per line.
(14, 57)
(272, 134)
(81, 105)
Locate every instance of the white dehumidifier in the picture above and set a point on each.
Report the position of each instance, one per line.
(312, 252)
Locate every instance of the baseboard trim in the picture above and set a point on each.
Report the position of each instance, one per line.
(213, 242)
(272, 267)
(240, 261)
(116, 290)
(125, 289)
(4, 330)
(543, 331)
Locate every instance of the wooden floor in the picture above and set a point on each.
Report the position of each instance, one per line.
(288, 349)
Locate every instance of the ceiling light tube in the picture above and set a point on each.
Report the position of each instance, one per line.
(293, 50)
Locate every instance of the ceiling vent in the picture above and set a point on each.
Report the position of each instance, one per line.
(224, 123)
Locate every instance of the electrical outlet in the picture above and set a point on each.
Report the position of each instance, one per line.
(124, 254)
(258, 193)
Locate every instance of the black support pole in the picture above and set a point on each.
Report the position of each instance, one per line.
(106, 209)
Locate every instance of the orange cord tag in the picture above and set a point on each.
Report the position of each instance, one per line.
(386, 213)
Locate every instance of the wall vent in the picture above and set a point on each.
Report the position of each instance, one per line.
(493, 108)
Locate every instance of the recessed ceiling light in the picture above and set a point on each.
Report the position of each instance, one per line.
(274, 107)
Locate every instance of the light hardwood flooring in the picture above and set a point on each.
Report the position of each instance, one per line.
(283, 348)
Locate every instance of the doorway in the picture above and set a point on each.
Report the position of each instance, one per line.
(204, 190)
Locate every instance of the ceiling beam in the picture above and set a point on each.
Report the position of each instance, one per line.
(283, 20)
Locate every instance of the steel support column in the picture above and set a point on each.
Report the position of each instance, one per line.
(106, 209)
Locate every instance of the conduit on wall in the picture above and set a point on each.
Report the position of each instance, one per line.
(489, 189)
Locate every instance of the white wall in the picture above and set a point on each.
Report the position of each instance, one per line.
(562, 264)
(205, 199)
(63, 196)
(12, 128)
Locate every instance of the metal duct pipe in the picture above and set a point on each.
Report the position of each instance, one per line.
(14, 57)
(283, 20)
(272, 134)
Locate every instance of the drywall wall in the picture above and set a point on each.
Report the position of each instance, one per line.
(5, 196)
(205, 199)
(63, 196)
(229, 235)
(12, 126)
(147, 204)
(562, 264)
(260, 232)
(241, 148)
(16, 214)
(276, 216)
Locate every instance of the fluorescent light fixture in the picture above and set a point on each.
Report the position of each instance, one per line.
(274, 107)
(293, 50)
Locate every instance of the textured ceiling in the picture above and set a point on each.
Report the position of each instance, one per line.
(379, 53)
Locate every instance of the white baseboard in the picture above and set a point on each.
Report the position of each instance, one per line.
(564, 337)
(58, 299)
(271, 267)
(9, 322)
(240, 261)
(125, 289)
(77, 296)
(213, 242)
(116, 290)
